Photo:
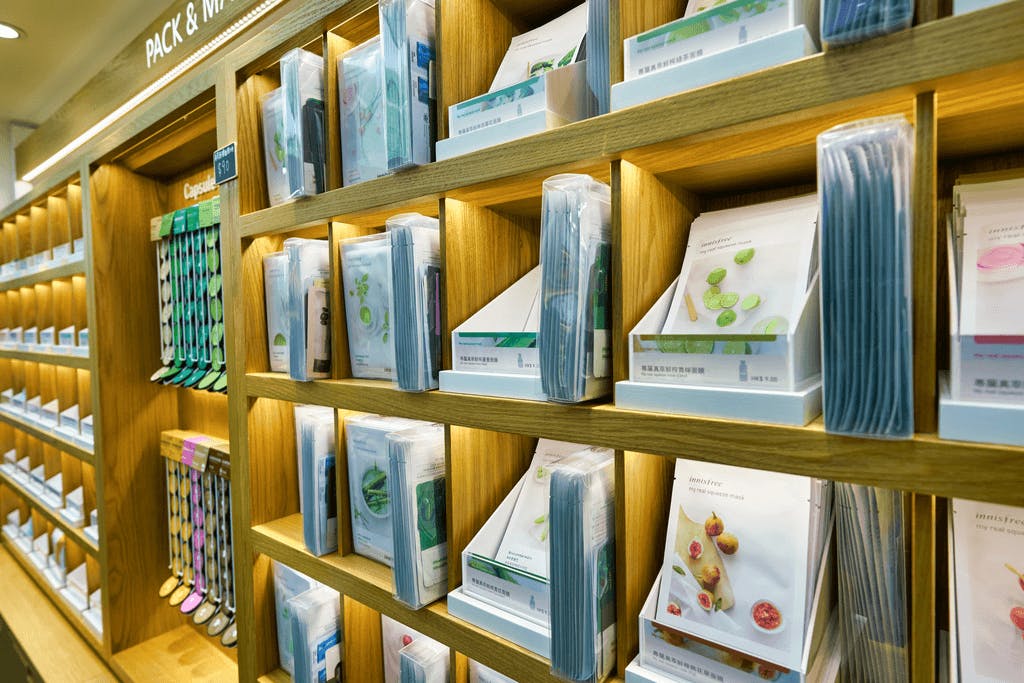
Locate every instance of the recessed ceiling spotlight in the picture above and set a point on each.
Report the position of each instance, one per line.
(8, 32)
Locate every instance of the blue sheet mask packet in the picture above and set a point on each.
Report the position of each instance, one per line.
(370, 498)
(407, 29)
(287, 584)
(364, 152)
(304, 130)
(316, 636)
(366, 286)
(582, 566)
(309, 316)
(419, 513)
(864, 184)
(844, 22)
(416, 299)
(575, 317)
(314, 437)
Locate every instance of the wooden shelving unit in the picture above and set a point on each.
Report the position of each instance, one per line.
(738, 142)
(733, 143)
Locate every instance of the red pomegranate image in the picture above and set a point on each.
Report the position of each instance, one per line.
(706, 600)
(406, 639)
(696, 549)
(673, 609)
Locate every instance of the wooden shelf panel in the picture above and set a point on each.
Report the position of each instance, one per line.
(275, 676)
(74, 533)
(55, 273)
(925, 464)
(62, 359)
(72, 616)
(369, 582)
(58, 442)
(856, 79)
(181, 654)
(43, 633)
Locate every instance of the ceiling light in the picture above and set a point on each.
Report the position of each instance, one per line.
(224, 36)
(8, 32)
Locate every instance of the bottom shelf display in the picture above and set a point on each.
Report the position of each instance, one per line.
(181, 654)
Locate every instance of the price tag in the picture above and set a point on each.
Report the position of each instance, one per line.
(224, 166)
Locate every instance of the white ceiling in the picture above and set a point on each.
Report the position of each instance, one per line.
(67, 42)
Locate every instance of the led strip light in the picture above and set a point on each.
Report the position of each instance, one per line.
(227, 34)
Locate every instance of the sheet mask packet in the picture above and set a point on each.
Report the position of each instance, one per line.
(419, 513)
(575, 316)
(370, 495)
(407, 47)
(275, 292)
(287, 584)
(309, 317)
(395, 636)
(415, 301)
(302, 86)
(317, 636)
(865, 170)
(871, 568)
(582, 569)
(275, 158)
(364, 151)
(424, 661)
(478, 673)
(366, 282)
(318, 500)
(844, 22)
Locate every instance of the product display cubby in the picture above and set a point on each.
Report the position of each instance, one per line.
(735, 143)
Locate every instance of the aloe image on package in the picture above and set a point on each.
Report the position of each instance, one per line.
(275, 287)
(366, 279)
(364, 152)
(369, 487)
(274, 154)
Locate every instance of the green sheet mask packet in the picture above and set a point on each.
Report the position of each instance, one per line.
(366, 279)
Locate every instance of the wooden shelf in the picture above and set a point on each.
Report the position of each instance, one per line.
(855, 80)
(275, 676)
(55, 273)
(42, 632)
(51, 438)
(76, 534)
(924, 464)
(369, 583)
(72, 616)
(62, 359)
(181, 654)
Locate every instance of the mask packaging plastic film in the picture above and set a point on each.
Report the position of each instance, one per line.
(864, 176)
(407, 46)
(364, 152)
(316, 635)
(851, 21)
(582, 558)
(575, 316)
(871, 539)
(302, 87)
(274, 156)
(424, 661)
(415, 299)
(478, 673)
(309, 321)
(366, 454)
(419, 514)
(314, 436)
(275, 288)
(366, 282)
(287, 584)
